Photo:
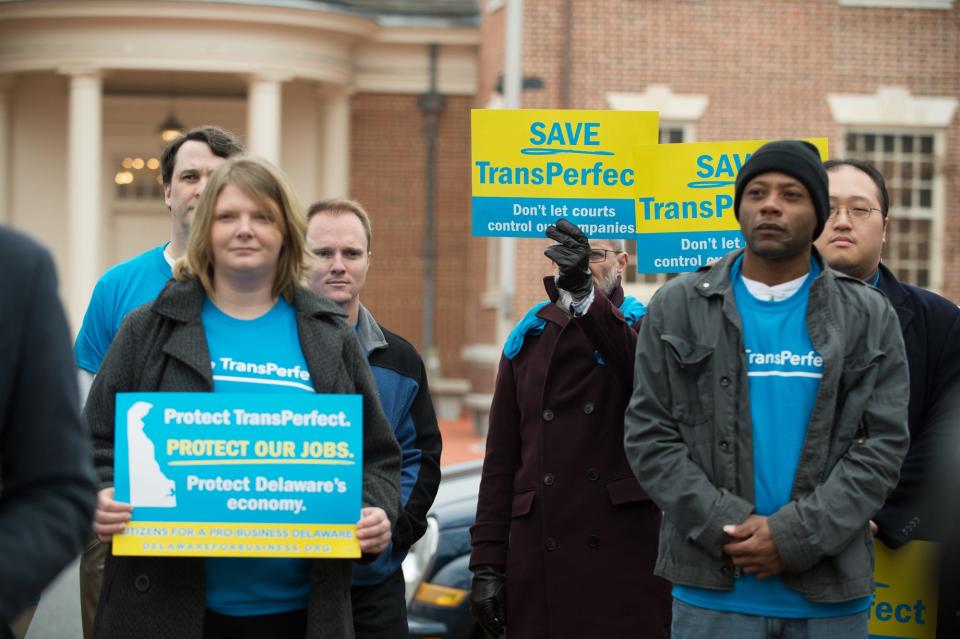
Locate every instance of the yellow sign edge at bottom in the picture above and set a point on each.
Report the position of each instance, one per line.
(167, 539)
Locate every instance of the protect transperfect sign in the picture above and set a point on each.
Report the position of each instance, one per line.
(232, 475)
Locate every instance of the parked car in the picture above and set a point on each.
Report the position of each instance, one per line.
(436, 572)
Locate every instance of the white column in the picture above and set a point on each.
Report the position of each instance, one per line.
(263, 116)
(6, 83)
(335, 164)
(513, 99)
(84, 209)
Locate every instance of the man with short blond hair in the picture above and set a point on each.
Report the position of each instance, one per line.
(339, 235)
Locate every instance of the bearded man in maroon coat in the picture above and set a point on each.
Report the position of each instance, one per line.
(565, 539)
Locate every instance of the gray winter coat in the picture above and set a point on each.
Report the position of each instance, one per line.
(688, 433)
(162, 347)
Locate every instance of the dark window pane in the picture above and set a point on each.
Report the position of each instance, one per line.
(852, 142)
(926, 198)
(888, 143)
(887, 168)
(926, 144)
(926, 171)
(906, 142)
(906, 171)
(906, 197)
(903, 250)
(869, 142)
(923, 279)
(676, 136)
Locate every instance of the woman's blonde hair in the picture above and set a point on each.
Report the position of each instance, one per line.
(266, 185)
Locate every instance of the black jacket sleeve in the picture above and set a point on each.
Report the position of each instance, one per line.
(47, 492)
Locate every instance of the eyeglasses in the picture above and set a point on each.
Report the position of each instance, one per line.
(855, 212)
(599, 255)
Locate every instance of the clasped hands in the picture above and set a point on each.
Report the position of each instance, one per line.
(752, 548)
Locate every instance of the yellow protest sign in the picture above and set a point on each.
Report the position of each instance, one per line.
(685, 216)
(905, 601)
(532, 167)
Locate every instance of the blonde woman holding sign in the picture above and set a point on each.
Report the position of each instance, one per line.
(237, 297)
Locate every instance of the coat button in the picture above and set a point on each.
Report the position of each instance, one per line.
(548, 479)
(588, 408)
(593, 474)
(724, 381)
(593, 541)
(724, 445)
(725, 571)
(548, 415)
(141, 583)
(551, 544)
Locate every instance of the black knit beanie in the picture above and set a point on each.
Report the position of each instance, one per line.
(796, 158)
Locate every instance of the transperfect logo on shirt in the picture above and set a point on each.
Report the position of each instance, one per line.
(784, 363)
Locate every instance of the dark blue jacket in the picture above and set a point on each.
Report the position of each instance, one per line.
(47, 489)
(931, 334)
(402, 385)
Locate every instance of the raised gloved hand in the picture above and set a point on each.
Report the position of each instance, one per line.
(572, 255)
(488, 599)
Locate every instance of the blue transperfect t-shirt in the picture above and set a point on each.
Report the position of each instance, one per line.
(261, 355)
(783, 373)
(120, 290)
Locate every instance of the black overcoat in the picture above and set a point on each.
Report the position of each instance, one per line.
(559, 508)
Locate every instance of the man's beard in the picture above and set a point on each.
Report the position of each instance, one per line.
(609, 282)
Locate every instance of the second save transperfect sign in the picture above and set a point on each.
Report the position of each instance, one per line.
(232, 475)
(531, 168)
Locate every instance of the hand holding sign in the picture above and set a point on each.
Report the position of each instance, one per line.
(111, 516)
(373, 530)
(571, 254)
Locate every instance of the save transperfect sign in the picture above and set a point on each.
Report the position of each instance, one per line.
(231, 475)
(685, 215)
(530, 168)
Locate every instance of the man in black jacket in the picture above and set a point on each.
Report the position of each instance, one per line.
(47, 492)
(851, 243)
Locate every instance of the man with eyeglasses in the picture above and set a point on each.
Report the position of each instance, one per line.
(852, 243)
(768, 420)
(565, 539)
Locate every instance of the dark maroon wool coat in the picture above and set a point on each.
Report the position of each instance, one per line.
(559, 508)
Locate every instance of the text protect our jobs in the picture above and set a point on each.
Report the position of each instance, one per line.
(685, 202)
(532, 167)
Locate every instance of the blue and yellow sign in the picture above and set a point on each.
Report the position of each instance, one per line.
(531, 168)
(685, 216)
(231, 475)
(905, 601)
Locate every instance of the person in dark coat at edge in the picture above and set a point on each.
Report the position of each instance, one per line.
(565, 539)
(47, 488)
(851, 243)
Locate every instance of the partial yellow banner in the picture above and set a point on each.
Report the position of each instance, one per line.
(905, 601)
(684, 202)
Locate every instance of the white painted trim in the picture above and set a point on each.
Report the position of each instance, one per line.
(661, 98)
(899, 4)
(892, 106)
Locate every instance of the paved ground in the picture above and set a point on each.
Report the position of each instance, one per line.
(58, 616)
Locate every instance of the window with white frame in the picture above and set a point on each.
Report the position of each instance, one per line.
(908, 162)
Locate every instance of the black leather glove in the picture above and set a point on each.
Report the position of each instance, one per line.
(488, 599)
(572, 255)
